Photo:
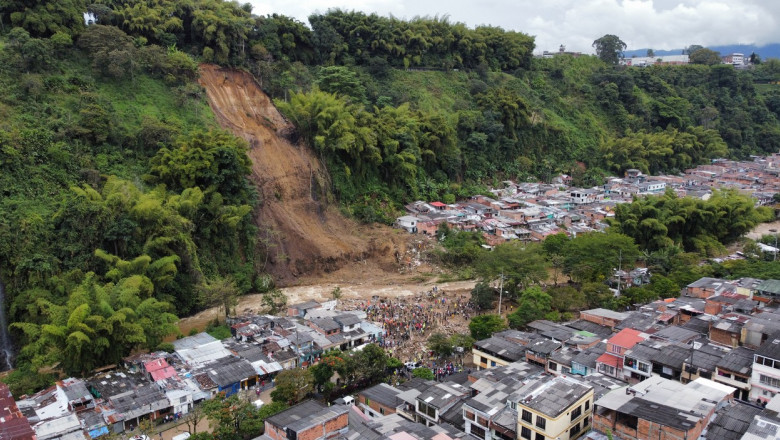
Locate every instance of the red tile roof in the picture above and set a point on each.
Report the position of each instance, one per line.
(159, 369)
(609, 359)
(626, 338)
(438, 204)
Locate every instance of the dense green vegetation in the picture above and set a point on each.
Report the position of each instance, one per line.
(120, 197)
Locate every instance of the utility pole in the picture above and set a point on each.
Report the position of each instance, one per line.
(501, 293)
(620, 268)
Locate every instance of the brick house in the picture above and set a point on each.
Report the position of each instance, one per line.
(379, 400)
(603, 317)
(659, 408)
(310, 420)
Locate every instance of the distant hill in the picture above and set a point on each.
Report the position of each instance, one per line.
(768, 51)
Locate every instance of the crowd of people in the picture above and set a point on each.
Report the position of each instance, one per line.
(405, 322)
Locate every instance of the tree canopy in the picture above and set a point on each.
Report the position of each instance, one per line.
(609, 49)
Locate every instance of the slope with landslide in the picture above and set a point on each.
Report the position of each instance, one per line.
(302, 233)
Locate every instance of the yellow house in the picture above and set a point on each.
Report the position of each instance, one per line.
(496, 352)
(556, 408)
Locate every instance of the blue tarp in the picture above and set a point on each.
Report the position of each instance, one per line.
(103, 430)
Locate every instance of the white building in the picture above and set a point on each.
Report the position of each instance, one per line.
(765, 380)
(407, 222)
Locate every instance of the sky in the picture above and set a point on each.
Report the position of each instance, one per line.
(641, 24)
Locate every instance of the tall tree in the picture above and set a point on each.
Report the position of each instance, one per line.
(609, 49)
(705, 56)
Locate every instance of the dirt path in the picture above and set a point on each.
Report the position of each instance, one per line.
(763, 229)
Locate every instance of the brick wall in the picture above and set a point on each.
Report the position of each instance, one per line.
(723, 337)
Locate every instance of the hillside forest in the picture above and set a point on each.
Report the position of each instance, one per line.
(123, 204)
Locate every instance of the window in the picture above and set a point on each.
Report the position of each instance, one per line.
(553, 366)
(585, 422)
(527, 416)
(477, 431)
(587, 405)
(724, 374)
(469, 415)
(576, 413)
(574, 430)
(539, 436)
(541, 422)
(771, 381)
(482, 421)
(492, 363)
(525, 433)
(483, 360)
(381, 410)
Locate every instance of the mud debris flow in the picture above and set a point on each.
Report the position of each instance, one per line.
(305, 234)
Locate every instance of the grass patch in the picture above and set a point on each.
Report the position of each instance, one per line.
(219, 331)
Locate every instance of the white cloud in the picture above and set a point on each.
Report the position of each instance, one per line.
(658, 24)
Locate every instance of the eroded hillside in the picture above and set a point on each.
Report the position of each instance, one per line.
(303, 233)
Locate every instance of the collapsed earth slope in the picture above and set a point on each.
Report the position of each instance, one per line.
(302, 234)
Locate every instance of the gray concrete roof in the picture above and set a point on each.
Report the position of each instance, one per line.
(305, 415)
(551, 396)
(738, 360)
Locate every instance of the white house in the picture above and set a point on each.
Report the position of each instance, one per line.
(408, 222)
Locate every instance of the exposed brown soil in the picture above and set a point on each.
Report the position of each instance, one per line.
(304, 234)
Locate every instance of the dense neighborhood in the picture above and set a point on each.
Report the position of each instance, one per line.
(702, 365)
(533, 211)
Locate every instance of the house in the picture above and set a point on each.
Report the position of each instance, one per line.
(200, 349)
(309, 420)
(538, 352)
(488, 415)
(603, 317)
(584, 196)
(584, 363)
(660, 408)
(379, 400)
(299, 310)
(67, 427)
(231, 375)
(652, 186)
(759, 328)
(735, 370)
(702, 362)
(159, 369)
(769, 289)
(727, 331)
(496, 351)
(14, 424)
(703, 287)
(74, 393)
(557, 408)
(611, 362)
(407, 223)
(434, 401)
(765, 378)
(732, 421)
(146, 401)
